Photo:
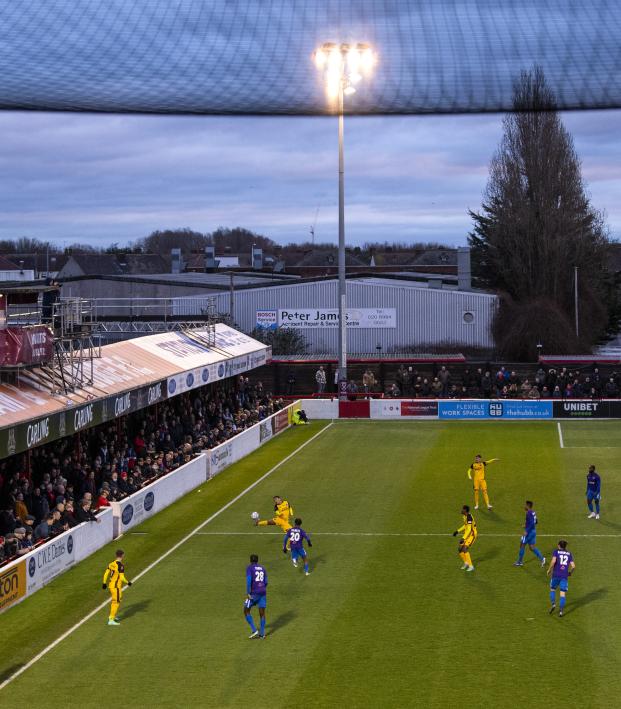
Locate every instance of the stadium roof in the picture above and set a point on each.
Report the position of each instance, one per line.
(127, 377)
(255, 57)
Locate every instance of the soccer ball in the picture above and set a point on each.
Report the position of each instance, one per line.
(255, 515)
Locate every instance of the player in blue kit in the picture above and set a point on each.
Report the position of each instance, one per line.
(256, 590)
(530, 536)
(295, 538)
(593, 491)
(561, 567)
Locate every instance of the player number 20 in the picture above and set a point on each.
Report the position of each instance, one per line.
(295, 537)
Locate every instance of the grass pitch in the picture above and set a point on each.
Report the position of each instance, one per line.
(386, 618)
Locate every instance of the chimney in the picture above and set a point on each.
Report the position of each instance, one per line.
(464, 273)
(210, 258)
(176, 261)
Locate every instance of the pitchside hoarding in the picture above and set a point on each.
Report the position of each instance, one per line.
(495, 409)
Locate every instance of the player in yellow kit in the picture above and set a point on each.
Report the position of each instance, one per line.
(476, 473)
(469, 535)
(113, 579)
(282, 513)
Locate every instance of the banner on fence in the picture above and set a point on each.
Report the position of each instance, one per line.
(495, 409)
(13, 587)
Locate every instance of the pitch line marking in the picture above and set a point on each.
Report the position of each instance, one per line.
(395, 534)
(560, 434)
(166, 554)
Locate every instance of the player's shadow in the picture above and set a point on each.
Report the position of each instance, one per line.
(591, 597)
(281, 621)
(611, 525)
(488, 556)
(491, 516)
(135, 609)
(317, 560)
(10, 671)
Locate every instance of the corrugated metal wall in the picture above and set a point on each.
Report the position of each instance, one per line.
(424, 315)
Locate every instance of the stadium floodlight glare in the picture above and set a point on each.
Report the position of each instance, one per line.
(343, 66)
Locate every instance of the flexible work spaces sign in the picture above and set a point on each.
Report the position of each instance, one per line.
(304, 318)
(502, 409)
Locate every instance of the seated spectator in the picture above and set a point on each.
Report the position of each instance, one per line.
(534, 393)
(352, 390)
(545, 393)
(24, 545)
(393, 391)
(11, 546)
(436, 388)
(58, 526)
(103, 499)
(43, 529)
(69, 517)
(557, 393)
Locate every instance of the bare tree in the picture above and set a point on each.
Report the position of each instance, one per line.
(536, 224)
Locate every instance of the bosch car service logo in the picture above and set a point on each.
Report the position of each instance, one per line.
(221, 370)
(32, 567)
(205, 375)
(172, 386)
(189, 380)
(149, 501)
(70, 544)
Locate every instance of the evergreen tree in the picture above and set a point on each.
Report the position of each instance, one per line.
(536, 224)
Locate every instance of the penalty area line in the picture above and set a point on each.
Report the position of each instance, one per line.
(166, 554)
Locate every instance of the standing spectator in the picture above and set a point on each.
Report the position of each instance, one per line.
(487, 385)
(368, 381)
(290, 382)
(436, 388)
(40, 505)
(444, 376)
(320, 378)
(610, 389)
(20, 507)
(403, 379)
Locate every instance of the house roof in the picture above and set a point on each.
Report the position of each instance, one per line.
(6, 265)
(327, 258)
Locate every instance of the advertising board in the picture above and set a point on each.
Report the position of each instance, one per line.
(495, 409)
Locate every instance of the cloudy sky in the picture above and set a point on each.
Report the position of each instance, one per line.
(100, 179)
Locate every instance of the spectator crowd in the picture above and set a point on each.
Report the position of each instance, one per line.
(485, 383)
(62, 484)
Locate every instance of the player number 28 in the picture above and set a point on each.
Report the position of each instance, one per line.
(259, 576)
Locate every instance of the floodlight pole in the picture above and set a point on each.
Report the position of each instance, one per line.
(342, 284)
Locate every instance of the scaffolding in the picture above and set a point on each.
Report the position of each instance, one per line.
(76, 346)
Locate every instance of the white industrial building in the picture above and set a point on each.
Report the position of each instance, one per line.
(385, 314)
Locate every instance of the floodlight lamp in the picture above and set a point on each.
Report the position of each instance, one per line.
(367, 59)
(349, 90)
